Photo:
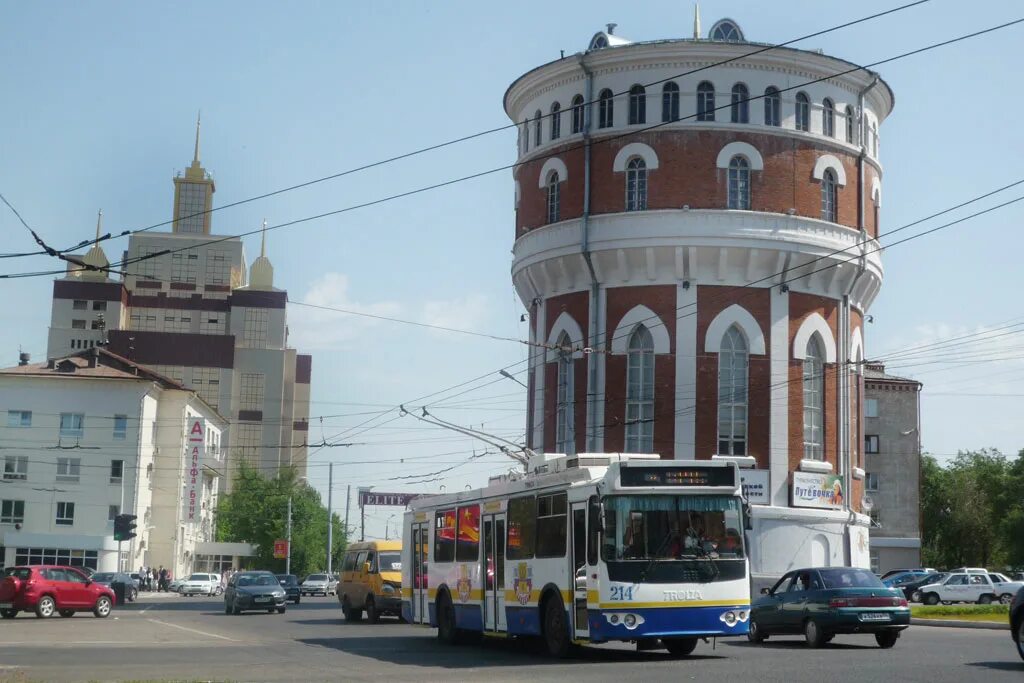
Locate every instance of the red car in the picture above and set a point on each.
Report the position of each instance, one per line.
(46, 589)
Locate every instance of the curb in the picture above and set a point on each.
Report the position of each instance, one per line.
(951, 623)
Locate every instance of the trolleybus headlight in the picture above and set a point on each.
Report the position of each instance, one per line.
(614, 618)
(742, 616)
(629, 620)
(729, 618)
(388, 589)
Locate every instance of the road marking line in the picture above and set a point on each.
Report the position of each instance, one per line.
(192, 630)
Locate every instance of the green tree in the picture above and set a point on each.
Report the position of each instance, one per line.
(256, 512)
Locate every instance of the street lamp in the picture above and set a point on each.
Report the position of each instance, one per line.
(504, 373)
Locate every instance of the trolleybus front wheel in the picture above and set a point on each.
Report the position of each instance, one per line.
(556, 629)
(679, 647)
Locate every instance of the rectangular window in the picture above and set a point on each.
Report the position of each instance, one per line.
(78, 324)
(116, 471)
(112, 511)
(871, 481)
(96, 325)
(69, 469)
(250, 394)
(249, 439)
(254, 332)
(871, 407)
(876, 517)
(72, 424)
(444, 535)
(19, 418)
(16, 467)
(183, 266)
(218, 268)
(79, 305)
(12, 512)
(120, 427)
(467, 546)
(99, 305)
(522, 525)
(552, 521)
(871, 444)
(65, 514)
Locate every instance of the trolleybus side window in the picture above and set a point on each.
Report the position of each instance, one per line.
(551, 525)
(522, 524)
(444, 535)
(594, 532)
(467, 548)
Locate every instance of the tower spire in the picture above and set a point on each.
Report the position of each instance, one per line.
(696, 25)
(195, 156)
(263, 240)
(99, 224)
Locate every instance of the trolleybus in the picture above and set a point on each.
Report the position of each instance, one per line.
(585, 548)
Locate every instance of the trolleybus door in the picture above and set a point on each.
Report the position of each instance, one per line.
(493, 571)
(420, 534)
(578, 571)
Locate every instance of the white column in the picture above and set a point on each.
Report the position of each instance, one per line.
(600, 344)
(778, 441)
(686, 371)
(538, 354)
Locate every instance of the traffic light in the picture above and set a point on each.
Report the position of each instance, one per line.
(124, 527)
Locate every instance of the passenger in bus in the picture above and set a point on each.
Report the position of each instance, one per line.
(731, 544)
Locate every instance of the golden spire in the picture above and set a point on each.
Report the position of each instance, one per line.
(99, 224)
(263, 240)
(696, 24)
(195, 157)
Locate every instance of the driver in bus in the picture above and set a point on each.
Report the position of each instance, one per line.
(695, 532)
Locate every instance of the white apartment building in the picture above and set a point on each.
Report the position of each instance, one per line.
(191, 312)
(90, 435)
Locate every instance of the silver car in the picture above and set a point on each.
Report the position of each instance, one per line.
(319, 584)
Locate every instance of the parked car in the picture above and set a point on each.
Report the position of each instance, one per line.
(371, 580)
(913, 589)
(318, 584)
(892, 572)
(253, 590)
(47, 589)
(292, 589)
(1005, 587)
(1017, 621)
(174, 585)
(131, 590)
(903, 578)
(823, 602)
(201, 584)
(970, 586)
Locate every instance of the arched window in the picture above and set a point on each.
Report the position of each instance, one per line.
(554, 200)
(733, 358)
(726, 30)
(670, 102)
(772, 106)
(605, 109)
(739, 183)
(829, 204)
(814, 400)
(803, 112)
(705, 101)
(564, 442)
(556, 121)
(636, 185)
(577, 114)
(874, 139)
(640, 392)
(828, 118)
(740, 104)
(850, 121)
(536, 128)
(637, 105)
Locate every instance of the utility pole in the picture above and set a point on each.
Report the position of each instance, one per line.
(288, 561)
(348, 498)
(330, 514)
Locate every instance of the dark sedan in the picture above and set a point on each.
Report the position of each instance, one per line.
(822, 602)
(292, 589)
(912, 590)
(256, 590)
(131, 589)
(1017, 621)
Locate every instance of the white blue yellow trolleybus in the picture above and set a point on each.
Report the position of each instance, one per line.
(585, 548)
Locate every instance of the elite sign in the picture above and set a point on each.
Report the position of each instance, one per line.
(378, 498)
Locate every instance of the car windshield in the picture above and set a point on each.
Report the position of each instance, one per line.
(103, 577)
(848, 577)
(390, 562)
(316, 577)
(672, 527)
(199, 577)
(258, 580)
(287, 580)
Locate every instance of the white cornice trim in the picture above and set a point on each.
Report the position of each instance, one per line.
(741, 318)
(552, 164)
(635, 149)
(814, 323)
(826, 161)
(743, 149)
(635, 316)
(564, 323)
(819, 466)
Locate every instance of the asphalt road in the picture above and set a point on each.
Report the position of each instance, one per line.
(192, 639)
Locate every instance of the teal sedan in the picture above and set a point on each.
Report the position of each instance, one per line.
(822, 602)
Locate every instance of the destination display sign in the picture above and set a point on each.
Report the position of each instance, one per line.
(678, 476)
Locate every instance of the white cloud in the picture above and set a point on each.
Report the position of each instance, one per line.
(462, 313)
(314, 329)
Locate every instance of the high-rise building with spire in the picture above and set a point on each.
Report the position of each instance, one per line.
(191, 311)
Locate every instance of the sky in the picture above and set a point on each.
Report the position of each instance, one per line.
(100, 102)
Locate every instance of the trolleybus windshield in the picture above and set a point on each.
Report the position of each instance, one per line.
(660, 527)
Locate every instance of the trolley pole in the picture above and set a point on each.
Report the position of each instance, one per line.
(330, 514)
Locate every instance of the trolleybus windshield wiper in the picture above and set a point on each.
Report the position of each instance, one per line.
(654, 557)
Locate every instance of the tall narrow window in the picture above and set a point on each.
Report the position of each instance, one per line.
(828, 196)
(536, 128)
(637, 105)
(577, 114)
(670, 102)
(554, 208)
(828, 118)
(556, 121)
(524, 136)
(740, 105)
(605, 109)
(874, 140)
(733, 361)
(705, 101)
(803, 112)
(640, 392)
(814, 400)
(772, 106)
(636, 185)
(739, 183)
(850, 120)
(564, 441)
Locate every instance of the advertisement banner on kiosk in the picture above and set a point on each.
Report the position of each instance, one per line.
(813, 490)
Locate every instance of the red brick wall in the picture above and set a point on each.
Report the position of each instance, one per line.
(800, 306)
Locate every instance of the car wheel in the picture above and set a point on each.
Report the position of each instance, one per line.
(102, 607)
(1005, 599)
(985, 600)
(270, 611)
(931, 599)
(45, 607)
(556, 631)
(351, 613)
(887, 639)
(755, 634)
(67, 613)
(446, 630)
(372, 615)
(235, 609)
(1020, 638)
(281, 610)
(915, 596)
(297, 600)
(813, 634)
(679, 647)
(8, 613)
